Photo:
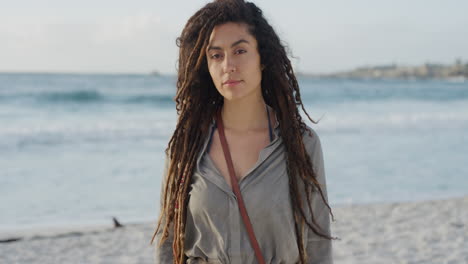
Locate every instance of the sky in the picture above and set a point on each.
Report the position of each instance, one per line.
(138, 36)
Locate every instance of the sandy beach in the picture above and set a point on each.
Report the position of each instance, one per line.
(416, 232)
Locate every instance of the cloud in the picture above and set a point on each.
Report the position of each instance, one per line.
(137, 43)
(128, 28)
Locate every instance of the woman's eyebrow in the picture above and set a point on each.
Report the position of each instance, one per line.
(232, 45)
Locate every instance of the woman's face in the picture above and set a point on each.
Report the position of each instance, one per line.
(234, 61)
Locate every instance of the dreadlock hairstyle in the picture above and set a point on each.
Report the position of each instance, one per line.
(197, 101)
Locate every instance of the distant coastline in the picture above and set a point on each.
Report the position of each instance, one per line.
(458, 71)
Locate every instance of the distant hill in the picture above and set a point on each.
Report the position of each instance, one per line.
(155, 73)
(456, 71)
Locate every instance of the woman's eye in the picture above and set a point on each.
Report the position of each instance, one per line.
(215, 56)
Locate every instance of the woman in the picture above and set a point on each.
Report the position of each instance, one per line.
(235, 82)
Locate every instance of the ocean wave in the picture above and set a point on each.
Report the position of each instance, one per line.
(86, 97)
(156, 99)
(20, 136)
(80, 96)
(122, 89)
(310, 94)
(84, 130)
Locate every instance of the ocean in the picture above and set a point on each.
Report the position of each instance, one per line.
(79, 149)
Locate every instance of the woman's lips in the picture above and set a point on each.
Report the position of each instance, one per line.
(231, 83)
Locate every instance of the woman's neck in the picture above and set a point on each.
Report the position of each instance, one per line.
(248, 114)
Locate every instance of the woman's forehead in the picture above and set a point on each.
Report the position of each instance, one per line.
(226, 35)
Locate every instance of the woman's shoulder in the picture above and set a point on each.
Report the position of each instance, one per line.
(310, 139)
(313, 147)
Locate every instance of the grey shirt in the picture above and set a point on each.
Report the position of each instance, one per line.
(215, 232)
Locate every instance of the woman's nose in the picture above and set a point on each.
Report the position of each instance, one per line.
(229, 64)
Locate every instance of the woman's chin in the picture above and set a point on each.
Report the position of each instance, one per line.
(239, 94)
(234, 97)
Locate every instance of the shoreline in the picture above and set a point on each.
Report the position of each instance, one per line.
(52, 230)
(59, 229)
(434, 231)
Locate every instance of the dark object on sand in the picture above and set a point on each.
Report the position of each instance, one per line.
(116, 223)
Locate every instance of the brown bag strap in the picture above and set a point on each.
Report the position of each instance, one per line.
(235, 188)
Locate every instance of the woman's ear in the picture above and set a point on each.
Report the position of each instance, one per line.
(262, 67)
